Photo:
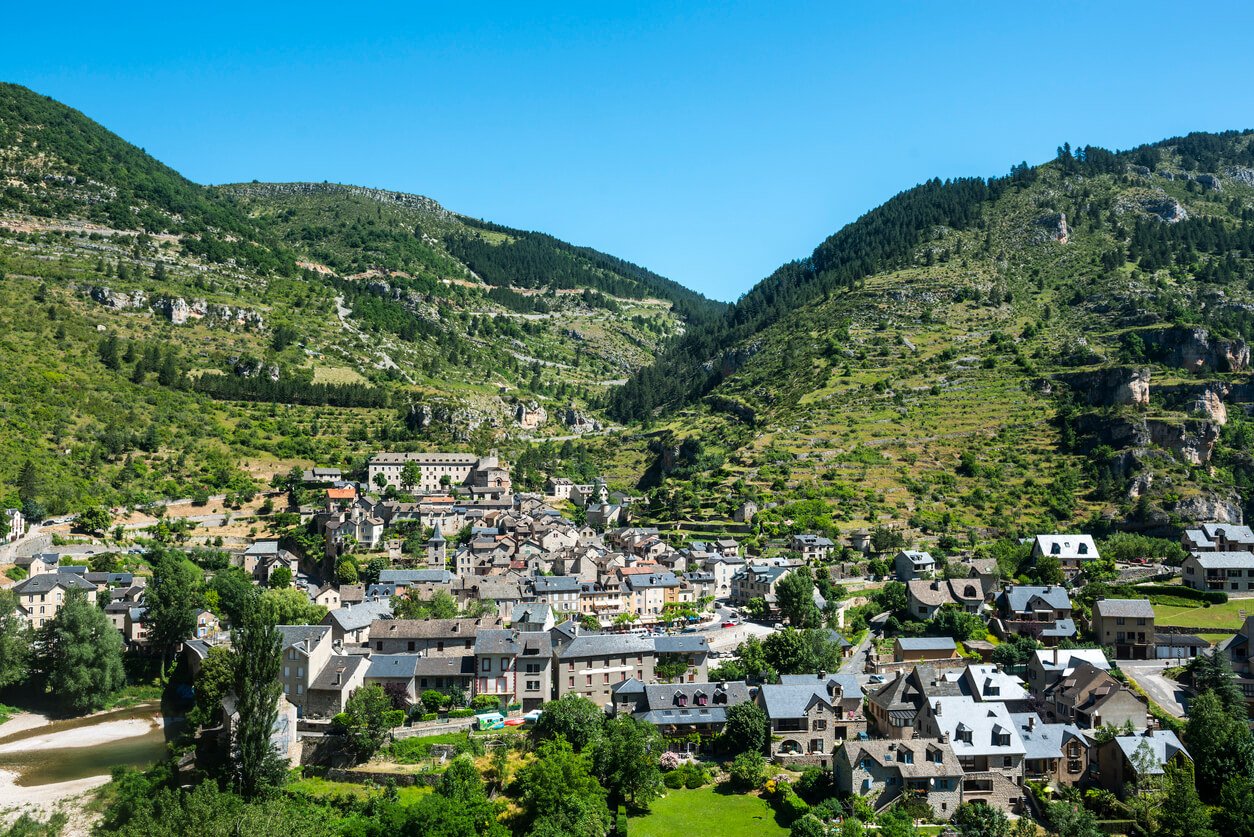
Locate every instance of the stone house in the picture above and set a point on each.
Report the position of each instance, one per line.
(1090, 697)
(330, 690)
(1226, 571)
(306, 651)
(988, 746)
(429, 637)
(681, 710)
(812, 547)
(1118, 763)
(350, 626)
(396, 671)
(885, 770)
(758, 581)
(690, 649)
(1057, 754)
(924, 649)
(41, 596)
(591, 664)
(1127, 625)
(515, 666)
(1046, 667)
(810, 716)
(912, 563)
(1072, 551)
(1042, 611)
(1219, 537)
(925, 597)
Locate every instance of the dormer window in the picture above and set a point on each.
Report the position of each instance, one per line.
(681, 699)
(1083, 549)
(905, 756)
(1055, 549)
(963, 733)
(720, 697)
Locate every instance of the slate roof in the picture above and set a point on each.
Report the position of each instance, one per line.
(47, 582)
(1225, 560)
(1044, 741)
(309, 634)
(507, 641)
(785, 701)
(543, 584)
(681, 644)
(392, 666)
(1135, 608)
(888, 752)
(651, 580)
(429, 628)
(848, 683)
(1070, 547)
(927, 643)
(1018, 598)
(1240, 534)
(1062, 659)
(955, 715)
(326, 678)
(360, 615)
(1163, 745)
(427, 576)
(533, 612)
(605, 645)
(462, 665)
(1062, 628)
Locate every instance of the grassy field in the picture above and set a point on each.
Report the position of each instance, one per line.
(324, 789)
(1224, 617)
(683, 813)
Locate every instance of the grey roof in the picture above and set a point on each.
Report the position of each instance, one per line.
(350, 663)
(848, 683)
(360, 615)
(916, 556)
(1062, 628)
(555, 584)
(1224, 560)
(1181, 641)
(530, 612)
(461, 665)
(630, 686)
(263, 548)
(430, 628)
(111, 579)
(1241, 534)
(812, 540)
(927, 643)
(1139, 608)
(664, 695)
(506, 641)
(1019, 597)
(1043, 741)
(645, 581)
(392, 666)
(427, 576)
(1162, 744)
(47, 582)
(681, 644)
(1060, 659)
(197, 646)
(601, 645)
(308, 634)
(983, 720)
(787, 701)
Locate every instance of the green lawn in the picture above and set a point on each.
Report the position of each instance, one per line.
(1222, 617)
(687, 813)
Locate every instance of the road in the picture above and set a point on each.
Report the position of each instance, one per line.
(1167, 693)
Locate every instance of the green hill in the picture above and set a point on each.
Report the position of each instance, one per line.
(1066, 344)
(168, 338)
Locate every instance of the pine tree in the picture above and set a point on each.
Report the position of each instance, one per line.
(28, 482)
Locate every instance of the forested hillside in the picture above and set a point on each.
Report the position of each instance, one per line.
(1065, 344)
(168, 339)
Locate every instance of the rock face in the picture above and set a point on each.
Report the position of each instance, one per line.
(1055, 225)
(116, 300)
(1194, 350)
(1188, 440)
(1209, 181)
(1210, 507)
(578, 422)
(1115, 386)
(1166, 208)
(1210, 403)
(248, 367)
(529, 415)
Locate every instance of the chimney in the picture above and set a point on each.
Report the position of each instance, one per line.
(938, 708)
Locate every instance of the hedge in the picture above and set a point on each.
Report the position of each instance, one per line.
(1212, 596)
(428, 716)
(461, 713)
(620, 822)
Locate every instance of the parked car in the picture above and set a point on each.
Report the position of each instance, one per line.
(729, 624)
(779, 626)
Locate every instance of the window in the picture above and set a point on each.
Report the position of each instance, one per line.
(589, 680)
(487, 665)
(533, 685)
(1119, 620)
(409, 645)
(819, 725)
(439, 646)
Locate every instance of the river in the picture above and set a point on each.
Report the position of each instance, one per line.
(79, 748)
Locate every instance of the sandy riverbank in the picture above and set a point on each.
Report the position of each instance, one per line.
(23, 721)
(90, 736)
(42, 801)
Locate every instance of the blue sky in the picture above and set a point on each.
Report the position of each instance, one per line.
(710, 142)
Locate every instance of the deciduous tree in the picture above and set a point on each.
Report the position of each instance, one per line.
(82, 654)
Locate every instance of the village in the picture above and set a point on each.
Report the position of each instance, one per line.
(899, 678)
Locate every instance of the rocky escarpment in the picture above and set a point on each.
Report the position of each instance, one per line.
(1191, 441)
(1193, 349)
(384, 196)
(178, 310)
(1111, 387)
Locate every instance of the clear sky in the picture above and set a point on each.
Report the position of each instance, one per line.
(710, 142)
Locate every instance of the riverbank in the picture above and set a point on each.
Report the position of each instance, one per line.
(104, 732)
(42, 801)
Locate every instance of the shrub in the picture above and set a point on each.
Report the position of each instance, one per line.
(673, 780)
(748, 770)
(428, 716)
(669, 760)
(620, 822)
(461, 713)
(788, 805)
